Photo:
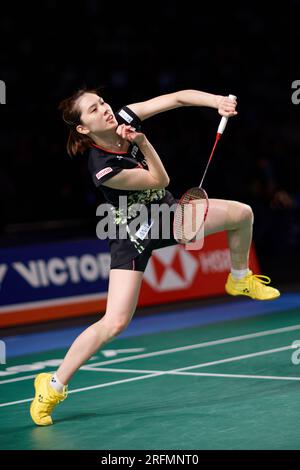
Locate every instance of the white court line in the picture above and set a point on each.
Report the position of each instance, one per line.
(183, 348)
(150, 374)
(205, 364)
(200, 345)
(18, 379)
(196, 366)
(236, 358)
(131, 371)
(238, 376)
(135, 371)
(201, 374)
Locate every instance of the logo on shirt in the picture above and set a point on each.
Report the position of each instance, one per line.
(103, 172)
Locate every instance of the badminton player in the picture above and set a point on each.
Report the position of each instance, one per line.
(122, 161)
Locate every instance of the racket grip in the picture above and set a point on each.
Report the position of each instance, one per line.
(224, 119)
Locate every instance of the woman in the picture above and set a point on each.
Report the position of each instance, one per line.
(122, 162)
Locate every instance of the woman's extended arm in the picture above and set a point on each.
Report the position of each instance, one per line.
(147, 109)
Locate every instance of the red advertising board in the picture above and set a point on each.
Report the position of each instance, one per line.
(175, 273)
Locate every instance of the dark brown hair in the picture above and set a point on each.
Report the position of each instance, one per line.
(77, 143)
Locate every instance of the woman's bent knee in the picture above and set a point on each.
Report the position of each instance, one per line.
(246, 214)
(239, 214)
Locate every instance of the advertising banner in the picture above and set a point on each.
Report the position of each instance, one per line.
(66, 279)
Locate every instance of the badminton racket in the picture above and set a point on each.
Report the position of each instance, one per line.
(192, 208)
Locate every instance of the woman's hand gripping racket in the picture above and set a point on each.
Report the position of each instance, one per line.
(192, 208)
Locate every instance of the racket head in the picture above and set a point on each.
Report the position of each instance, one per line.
(190, 215)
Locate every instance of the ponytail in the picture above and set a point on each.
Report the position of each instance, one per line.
(77, 143)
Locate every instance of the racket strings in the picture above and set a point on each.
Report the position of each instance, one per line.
(189, 217)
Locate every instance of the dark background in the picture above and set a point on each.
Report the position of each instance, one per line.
(137, 51)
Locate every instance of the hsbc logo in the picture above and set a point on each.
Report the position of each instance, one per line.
(174, 268)
(215, 261)
(171, 268)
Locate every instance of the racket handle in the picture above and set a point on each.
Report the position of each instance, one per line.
(224, 120)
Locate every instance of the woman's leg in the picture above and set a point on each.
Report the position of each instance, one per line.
(237, 219)
(123, 292)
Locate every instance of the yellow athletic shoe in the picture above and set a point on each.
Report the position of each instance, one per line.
(46, 398)
(252, 285)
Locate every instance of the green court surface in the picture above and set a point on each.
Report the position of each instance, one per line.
(229, 385)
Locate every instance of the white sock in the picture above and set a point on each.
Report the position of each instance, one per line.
(237, 274)
(56, 383)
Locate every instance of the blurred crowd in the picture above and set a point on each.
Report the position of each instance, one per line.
(135, 58)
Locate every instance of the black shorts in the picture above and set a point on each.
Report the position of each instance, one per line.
(139, 263)
(124, 254)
